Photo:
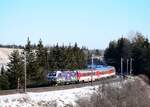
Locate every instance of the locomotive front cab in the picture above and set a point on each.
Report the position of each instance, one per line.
(52, 77)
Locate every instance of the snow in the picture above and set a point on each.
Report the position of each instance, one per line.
(59, 98)
(4, 55)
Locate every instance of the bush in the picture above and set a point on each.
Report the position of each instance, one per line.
(130, 94)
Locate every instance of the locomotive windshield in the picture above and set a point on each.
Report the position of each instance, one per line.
(52, 74)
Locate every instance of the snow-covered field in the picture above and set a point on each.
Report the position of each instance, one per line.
(59, 98)
(51, 98)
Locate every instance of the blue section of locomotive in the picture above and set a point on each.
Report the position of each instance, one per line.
(52, 76)
(62, 77)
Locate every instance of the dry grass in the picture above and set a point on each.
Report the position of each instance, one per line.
(131, 94)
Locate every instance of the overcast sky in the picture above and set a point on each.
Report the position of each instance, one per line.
(90, 23)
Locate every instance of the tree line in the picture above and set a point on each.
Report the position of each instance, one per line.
(40, 60)
(11, 46)
(137, 48)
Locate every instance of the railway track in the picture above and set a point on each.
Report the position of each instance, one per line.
(61, 87)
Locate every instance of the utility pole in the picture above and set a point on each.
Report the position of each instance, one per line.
(127, 66)
(122, 67)
(47, 61)
(131, 66)
(18, 84)
(92, 70)
(25, 72)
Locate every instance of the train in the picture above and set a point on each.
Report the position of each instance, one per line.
(81, 75)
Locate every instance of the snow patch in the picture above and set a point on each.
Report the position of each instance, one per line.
(59, 98)
(55, 98)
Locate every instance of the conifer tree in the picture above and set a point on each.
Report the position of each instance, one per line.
(15, 69)
(2, 70)
(41, 60)
(4, 83)
(31, 63)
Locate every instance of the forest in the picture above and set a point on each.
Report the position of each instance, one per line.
(39, 60)
(42, 59)
(137, 48)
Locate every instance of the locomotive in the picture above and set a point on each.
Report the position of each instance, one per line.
(84, 75)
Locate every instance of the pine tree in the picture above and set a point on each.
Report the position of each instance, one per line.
(41, 54)
(116, 51)
(70, 58)
(41, 60)
(4, 83)
(110, 53)
(2, 70)
(141, 54)
(15, 69)
(31, 63)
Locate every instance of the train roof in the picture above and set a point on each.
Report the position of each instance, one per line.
(104, 67)
(97, 67)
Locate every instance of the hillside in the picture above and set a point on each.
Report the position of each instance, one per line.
(126, 93)
(4, 55)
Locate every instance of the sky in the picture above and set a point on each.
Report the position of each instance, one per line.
(90, 23)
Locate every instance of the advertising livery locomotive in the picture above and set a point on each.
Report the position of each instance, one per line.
(86, 75)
